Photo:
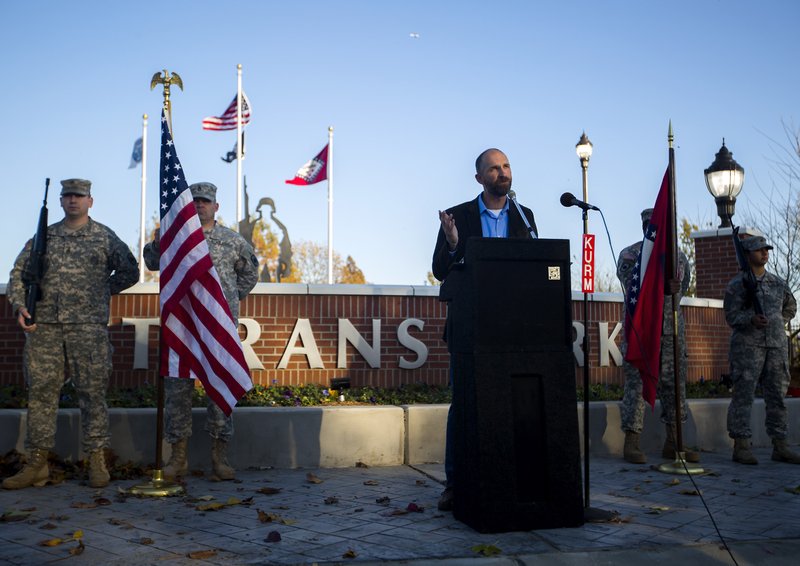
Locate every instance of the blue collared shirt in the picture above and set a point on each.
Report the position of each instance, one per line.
(493, 226)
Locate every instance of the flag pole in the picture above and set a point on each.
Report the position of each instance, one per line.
(329, 166)
(143, 198)
(238, 144)
(671, 266)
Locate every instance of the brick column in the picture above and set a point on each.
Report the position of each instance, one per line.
(715, 260)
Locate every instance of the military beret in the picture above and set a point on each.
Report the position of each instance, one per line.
(207, 191)
(754, 243)
(76, 187)
(647, 214)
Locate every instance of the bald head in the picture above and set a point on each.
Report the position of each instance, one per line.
(479, 162)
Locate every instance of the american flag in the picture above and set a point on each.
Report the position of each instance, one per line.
(644, 312)
(228, 119)
(198, 337)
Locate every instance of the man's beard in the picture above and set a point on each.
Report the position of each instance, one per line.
(499, 188)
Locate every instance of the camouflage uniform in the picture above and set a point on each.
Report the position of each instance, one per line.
(237, 266)
(632, 406)
(84, 267)
(758, 353)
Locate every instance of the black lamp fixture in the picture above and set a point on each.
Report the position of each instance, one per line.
(724, 179)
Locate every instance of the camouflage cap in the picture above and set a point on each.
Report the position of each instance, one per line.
(76, 187)
(207, 191)
(754, 243)
(647, 214)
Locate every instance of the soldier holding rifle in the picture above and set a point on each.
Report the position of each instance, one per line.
(84, 264)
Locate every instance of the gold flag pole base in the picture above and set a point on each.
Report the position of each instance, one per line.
(680, 467)
(157, 487)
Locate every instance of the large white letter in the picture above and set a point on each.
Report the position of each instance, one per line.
(141, 331)
(607, 344)
(251, 335)
(416, 346)
(348, 333)
(578, 342)
(302, 328)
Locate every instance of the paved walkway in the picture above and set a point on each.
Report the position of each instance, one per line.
(362, 515)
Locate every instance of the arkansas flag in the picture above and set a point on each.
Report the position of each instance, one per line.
(644, 312)
(312, 172)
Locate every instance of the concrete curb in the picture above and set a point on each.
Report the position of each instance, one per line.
(336, 437)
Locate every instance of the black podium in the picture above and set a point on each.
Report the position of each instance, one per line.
(516, 449)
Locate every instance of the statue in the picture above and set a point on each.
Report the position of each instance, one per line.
(246, 228)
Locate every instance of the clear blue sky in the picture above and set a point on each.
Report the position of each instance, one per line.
(410, 114)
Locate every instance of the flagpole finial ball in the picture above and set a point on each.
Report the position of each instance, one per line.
(330, 128)
(144, 116)
(239, 66)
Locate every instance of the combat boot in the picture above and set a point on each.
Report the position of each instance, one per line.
(177, 465)
(34, 472)
(98, 473)
(222, 471)
(668, 451)
(781, 452)
(741, 451)
(631, 451)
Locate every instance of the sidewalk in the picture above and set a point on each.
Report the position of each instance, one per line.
(361, 515)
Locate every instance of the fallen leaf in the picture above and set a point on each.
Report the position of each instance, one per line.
(619, 519)
(396, 512)
(83, 505)
(216, 506)
(102, 501)
(52, 542)
(202, 554)
(28, 510)
(78, 549)
(265, 517)
(350, 553)
(119, 523)
(233, 501)
(361, 465)
(247, 501)
(14, 515)
(145, 540)
(48, 527)
(371, 482)
(486, 549)
(273, 536)
(311, 478)
(675, 481)
(206, 498)
(689, 492)
(77, 535)
(383, 501)
(659, 508)
(795, 490)
(332, 500)
(421, 482)
(269, 490)
(414, 508)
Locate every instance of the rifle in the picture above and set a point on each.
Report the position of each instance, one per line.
(35, 268)
(750, 283)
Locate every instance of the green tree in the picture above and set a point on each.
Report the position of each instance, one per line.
(686, 245)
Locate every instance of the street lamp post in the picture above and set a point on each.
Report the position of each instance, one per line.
(584, 150)
(724, 179)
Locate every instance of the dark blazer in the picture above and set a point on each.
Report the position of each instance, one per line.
(468, 223)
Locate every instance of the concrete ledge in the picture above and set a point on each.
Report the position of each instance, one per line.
(334, 437)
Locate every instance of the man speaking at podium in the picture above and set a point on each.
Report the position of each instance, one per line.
(489, 216)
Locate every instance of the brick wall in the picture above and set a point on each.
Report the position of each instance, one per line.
(277, 307)
(715, 260)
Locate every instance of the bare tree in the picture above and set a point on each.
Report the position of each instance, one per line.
(780, 221)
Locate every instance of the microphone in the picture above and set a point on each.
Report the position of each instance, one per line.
(512, 195)
(568, 199)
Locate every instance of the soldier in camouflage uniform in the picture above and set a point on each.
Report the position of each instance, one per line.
(632, 406)
(759, 349)
(85, 263)
(237, 266)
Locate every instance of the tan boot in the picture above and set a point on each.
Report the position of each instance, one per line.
(35, 472)
(781, 452)
(98, 473)
(631, 451)
(741, 451)
(177, 465)
(668, 451)
(222, 471)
